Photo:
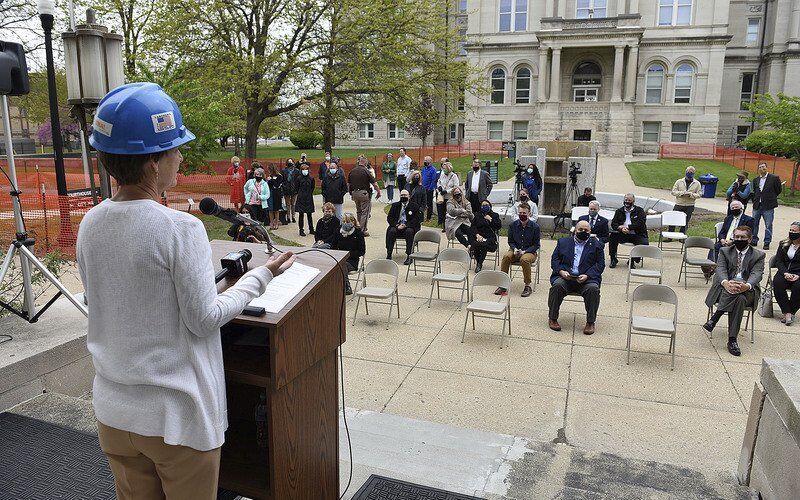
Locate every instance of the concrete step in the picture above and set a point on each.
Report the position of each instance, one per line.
(485, 464)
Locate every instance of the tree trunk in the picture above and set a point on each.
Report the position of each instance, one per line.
(237, 146)
(794, 177)
(251, 135)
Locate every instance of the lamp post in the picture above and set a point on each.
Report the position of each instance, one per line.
(94, 64)
(66, 236)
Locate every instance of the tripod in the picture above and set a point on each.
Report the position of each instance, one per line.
(571, 196)
(22, 245)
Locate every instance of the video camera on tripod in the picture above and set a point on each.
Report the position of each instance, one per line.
(574, 172)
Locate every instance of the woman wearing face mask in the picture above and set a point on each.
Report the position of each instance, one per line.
(304, 204)
(525, 198)
(787, 276)
(289, 192)
(459, 218)
(350, 238)
(686, 190)
(327, 227)
(485, 226)
(389, 171)
(236, 179)
(275, 183)
(448, 180)
(257, 194)
(334, 188)
(532, 181)
(417, 190)
(740, 190)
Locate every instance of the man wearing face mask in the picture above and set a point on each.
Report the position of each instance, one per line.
(736, 284)
(404, 221)
(430, 178)
(524, 240)
(334, 188)
(766, 188)
(236, 179)
(323, 168)
(478, 186)
(578, 263)
(736, 218)
(685, 190)
(629, 225)
(524, 199)
(403, 169)
(598, 225)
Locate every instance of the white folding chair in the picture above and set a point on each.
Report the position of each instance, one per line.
(490, 308)
(379, 295)
(455, 258)
(649, 326)
(427, 257)
(577, 213)
(359, 273)
(644, 251)
(690, 261)
(672, 218)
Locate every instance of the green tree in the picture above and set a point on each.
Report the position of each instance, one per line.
(424, 117)
(37, 103)
(781, 135)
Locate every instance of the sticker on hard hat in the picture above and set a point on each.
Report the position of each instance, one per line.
(164, 122)
(102, 126)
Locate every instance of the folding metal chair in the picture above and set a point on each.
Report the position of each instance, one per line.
(749, 321)
(649, 326)
(516, 267)
(452, 257)
(694, 261)
(490, 308)
(672, 218)
(644, 251)
(385, 267)
(427, 257)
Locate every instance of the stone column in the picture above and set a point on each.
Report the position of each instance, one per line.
(616, 93)
(562, 8)
(631, 75)
(549, 8)
(794, 27)
(542, 81)
(633, 7)
(555, 76)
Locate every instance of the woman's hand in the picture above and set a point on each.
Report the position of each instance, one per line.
(277, 265)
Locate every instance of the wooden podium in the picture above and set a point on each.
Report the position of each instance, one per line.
(281, 376)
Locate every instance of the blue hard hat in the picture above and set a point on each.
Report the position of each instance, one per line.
(138, 118)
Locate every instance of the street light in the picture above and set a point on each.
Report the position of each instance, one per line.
(47, 10)
(94, 64)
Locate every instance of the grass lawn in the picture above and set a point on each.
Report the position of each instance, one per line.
(661, 174)
(217, 229)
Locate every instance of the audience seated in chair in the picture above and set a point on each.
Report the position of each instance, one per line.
(735, 218)
(524, 198)
(350, 238)
(787, 275)
(458, 219)
(597, 223)
(629, 225)
(404, 221)
(484, 233)
(736, 284)
(578, 262)
(523, 241)
(327, 227)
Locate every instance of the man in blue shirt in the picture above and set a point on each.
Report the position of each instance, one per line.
(430, 177)
(523, 241)
(578, 263)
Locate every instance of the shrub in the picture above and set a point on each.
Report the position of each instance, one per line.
(305, 138)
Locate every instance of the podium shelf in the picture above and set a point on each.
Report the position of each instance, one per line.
(247, 365)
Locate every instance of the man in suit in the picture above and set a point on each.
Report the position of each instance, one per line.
(736, 284)
(478, 186)
(578, 262)
(766, 188)
(597, 223)
(404, 221)
(735, 218)
(629, 225)
(524, 240)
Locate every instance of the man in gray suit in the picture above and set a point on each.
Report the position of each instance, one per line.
(478, 186)
(736, 284)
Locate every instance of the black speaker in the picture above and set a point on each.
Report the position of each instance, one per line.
(13, 69)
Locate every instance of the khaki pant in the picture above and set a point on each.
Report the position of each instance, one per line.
(526, 260)
(147, 468)
(363, 207)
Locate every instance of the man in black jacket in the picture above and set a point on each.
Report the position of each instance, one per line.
(766, 188)
(629, 225)
(404, 221)
(597, 223)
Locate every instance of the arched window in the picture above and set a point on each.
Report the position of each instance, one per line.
(684, 77)
(523, 86)
(498, 86)
(654, 84)
(586, 82)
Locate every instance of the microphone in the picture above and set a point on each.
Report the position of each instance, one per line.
(210, 207)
